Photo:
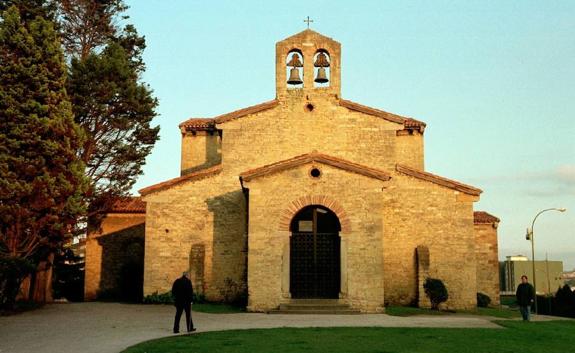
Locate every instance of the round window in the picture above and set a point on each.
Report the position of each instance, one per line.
(315, 173)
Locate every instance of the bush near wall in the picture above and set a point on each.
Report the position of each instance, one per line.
(166, 298)
(13, 270)
(562, 304)
(435, 291)
(483, 300)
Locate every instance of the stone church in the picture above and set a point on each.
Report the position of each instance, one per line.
(306, 196)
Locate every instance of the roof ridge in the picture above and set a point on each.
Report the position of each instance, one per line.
(439, 180)
(198, 175)
(313, 157)
(236, 114)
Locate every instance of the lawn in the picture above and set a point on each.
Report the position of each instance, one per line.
(410, 311)
(216, 308)
(515, 336)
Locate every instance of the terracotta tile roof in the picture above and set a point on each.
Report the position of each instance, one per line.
(314, 157)
(452, 184)
(200, 174)
(411, 123)
(132, 204)
(246, 111)
(408, 123)
(484, 217)
(197, 124)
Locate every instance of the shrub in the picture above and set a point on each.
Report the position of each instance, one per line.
(435, 291)
(155, 298)
(13, 270)
(564, 302)
(483, 300)
(234, 293)
(166, 298)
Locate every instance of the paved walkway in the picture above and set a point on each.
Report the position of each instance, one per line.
(112, 327)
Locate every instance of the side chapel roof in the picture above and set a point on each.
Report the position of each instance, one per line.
(482, 217)
(132, 204)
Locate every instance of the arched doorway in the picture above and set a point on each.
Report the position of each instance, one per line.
(315, 253)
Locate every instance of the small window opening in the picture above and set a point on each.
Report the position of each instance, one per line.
(316, 173)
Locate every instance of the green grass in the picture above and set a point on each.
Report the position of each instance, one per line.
(216, 308)
(508, 300)
(497, 312)
(516, 336)
(410, 311)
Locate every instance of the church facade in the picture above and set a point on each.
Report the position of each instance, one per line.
(307, 196)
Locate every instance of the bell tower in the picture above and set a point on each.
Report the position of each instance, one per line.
(308, 62)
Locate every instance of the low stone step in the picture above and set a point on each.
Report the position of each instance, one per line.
(312, 306)
(320, 312)
(315, 306)
(315, 301)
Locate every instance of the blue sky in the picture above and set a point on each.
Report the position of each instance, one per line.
(493, 80)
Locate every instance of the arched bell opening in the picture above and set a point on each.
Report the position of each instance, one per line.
(315, 254)
(322, 72)
(294, 69)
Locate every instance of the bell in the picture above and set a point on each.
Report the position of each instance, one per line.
(321, 60)
(321, 76)
(294, 77)
(295, 61)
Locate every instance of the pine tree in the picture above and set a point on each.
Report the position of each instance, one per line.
(110, 103)
(87, 25)
(41, 178)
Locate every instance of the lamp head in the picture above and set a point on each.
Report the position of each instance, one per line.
(561, 209)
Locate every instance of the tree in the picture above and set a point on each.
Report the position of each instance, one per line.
(109, 102)
(30, 9)
(41, 178)
(89, 24)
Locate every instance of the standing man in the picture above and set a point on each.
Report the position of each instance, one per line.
(182, 292)
(525, 296)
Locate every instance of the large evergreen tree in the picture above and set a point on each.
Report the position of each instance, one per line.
(41, 178)
(88, 25)
(109, 101)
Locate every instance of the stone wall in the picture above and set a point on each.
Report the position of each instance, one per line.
(354, 198)
(115, 257)
(290, 130)
(420, 213)
(487, 260)
(201, 224)
(200, 150)
(201, 227)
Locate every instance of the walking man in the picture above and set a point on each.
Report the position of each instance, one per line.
(182, 292)
(525, 295)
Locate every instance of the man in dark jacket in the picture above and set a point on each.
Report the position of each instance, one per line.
(525, 295)
(183, 292)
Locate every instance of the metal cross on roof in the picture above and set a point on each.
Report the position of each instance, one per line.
(308, 21)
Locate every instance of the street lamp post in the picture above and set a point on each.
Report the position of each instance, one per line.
(530, 237)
